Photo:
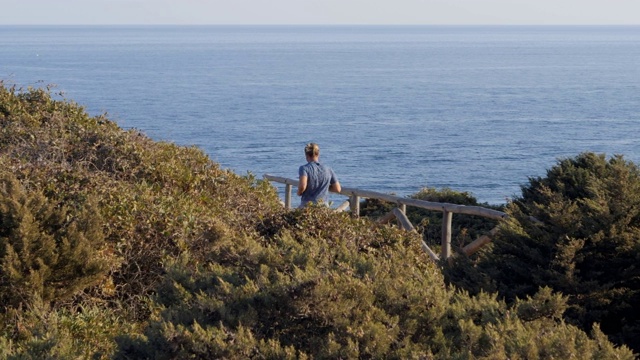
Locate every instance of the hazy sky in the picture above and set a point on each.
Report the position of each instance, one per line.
(319, 12)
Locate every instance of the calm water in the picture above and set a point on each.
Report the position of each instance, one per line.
(394, 109)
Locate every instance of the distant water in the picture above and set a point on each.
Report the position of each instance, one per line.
(394, 109)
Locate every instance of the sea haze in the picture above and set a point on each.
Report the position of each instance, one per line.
(394, 109)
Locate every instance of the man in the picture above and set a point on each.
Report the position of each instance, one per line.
(316, 180)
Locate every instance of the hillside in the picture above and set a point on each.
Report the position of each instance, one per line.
(113, 245)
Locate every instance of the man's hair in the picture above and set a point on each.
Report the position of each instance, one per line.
(312, 150)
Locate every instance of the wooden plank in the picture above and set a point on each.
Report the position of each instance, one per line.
(429, 205)
(343, 206)
(406, 224)
(475, 245)
(404, 220)
(476, 210)
(428, 250)
(281, 180)
(453, 208)
(387, 218)
(445, 251)
(368, 194)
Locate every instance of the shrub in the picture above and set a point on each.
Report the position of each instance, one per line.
(584, 244)
(230, 273)
(40, 332)
(47, 251)
(155, 199)
(322, 285)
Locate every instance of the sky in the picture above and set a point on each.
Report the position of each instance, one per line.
(329, 12)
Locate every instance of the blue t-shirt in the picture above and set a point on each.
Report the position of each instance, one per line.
(319, 178)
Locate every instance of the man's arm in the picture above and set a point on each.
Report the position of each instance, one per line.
(302, 184)
(335, 187)
(335, 184)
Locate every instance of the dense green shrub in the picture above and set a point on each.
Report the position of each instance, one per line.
(81, 332)
(155, 199)
(133, 200)
(48, 251)
(321, 285)
(577, 231)
(156, 246)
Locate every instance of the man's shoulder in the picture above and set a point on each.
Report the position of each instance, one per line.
(306, 168)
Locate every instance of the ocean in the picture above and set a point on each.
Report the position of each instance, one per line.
(479, 109)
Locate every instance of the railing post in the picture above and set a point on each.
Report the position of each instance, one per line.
(287, 196)
(445, 251)
(403, 208)
(355, 205)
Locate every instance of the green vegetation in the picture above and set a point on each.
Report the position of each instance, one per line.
(116, 246)
(584, 244)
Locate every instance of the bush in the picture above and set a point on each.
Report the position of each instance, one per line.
(40, 332)
(584, 244)
(48, 251)
(315, 288)
(152, 199)
(156, 246)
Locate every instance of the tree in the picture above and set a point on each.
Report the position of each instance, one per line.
(577, 231)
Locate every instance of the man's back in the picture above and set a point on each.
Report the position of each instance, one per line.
(316, 180)
(319, 178)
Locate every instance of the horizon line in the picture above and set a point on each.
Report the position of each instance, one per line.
(321, 24)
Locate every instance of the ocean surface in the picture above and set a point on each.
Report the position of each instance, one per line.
(394, 108)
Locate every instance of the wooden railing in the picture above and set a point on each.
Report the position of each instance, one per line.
(399, 213)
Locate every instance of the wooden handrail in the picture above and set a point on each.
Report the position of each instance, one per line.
(429, 205)
(447, 210)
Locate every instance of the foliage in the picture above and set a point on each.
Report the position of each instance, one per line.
(91, 210)
(160, 253)
(47, 250)
(69, 333)
(577, 231)
(155, 199)
(313, 289)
